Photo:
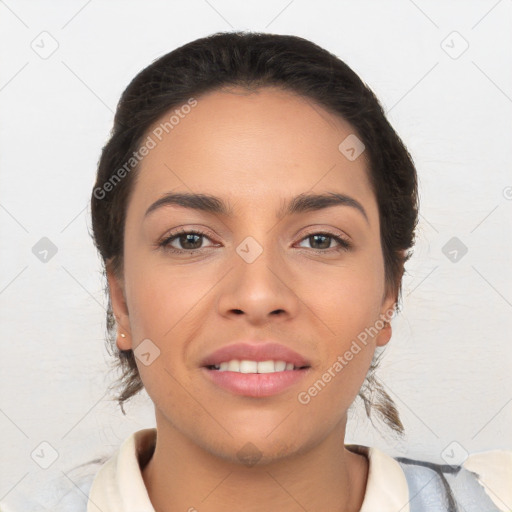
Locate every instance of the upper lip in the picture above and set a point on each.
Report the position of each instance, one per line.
(260, 351)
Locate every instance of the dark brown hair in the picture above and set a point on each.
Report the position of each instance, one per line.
(255, 60)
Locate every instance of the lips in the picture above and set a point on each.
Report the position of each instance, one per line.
(260, 351)
(250, 384)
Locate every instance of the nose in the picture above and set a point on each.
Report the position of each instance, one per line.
(259, 290)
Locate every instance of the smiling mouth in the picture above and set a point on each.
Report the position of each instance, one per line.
(256, 379)
(248, 366)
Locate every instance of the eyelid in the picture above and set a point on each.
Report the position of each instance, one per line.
(331, 231)
(187, 228)
(176, 232)
(313, 230)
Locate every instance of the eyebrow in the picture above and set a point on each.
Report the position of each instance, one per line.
(299, 204)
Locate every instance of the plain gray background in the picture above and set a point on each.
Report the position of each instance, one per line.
(442, 71)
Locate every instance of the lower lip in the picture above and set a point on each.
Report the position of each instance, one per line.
(256, 384)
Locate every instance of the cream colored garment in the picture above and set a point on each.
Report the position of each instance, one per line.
(118, 486)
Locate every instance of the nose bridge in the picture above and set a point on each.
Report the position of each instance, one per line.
(259, 261)
(259, 283)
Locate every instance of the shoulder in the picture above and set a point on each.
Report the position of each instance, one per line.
(99, 484)
(481, 483)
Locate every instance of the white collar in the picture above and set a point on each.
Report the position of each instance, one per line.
(119, 487)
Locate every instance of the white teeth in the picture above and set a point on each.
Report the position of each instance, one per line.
(247, 366)
(280, 366)
(234, 365)
(266, 367)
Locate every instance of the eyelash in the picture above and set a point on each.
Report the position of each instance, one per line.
(344, 245)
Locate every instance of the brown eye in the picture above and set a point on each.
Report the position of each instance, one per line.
(189, 241)
(184, 241)
(321, 242)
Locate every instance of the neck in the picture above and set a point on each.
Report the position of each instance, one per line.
(183, 476)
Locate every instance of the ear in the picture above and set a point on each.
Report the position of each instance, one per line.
(120, 309)
(388, 309)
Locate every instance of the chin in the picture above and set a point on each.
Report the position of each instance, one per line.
(256, 447)
(255, 453)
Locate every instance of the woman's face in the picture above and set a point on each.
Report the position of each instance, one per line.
(257, 276)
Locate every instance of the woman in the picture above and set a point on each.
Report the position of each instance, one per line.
(254, 210)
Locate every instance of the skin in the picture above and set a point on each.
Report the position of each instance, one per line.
(256, 151)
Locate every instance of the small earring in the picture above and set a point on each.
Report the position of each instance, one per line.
(123, 335)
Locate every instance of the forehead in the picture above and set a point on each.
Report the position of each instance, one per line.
(252, 146)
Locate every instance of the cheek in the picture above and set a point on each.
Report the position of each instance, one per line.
(161, 298)
(349, 304)
(332, 390)
(348, 300)
(167, 306)
(163, 308)
(349, 308)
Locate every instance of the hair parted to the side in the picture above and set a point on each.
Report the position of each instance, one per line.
(256, 60)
